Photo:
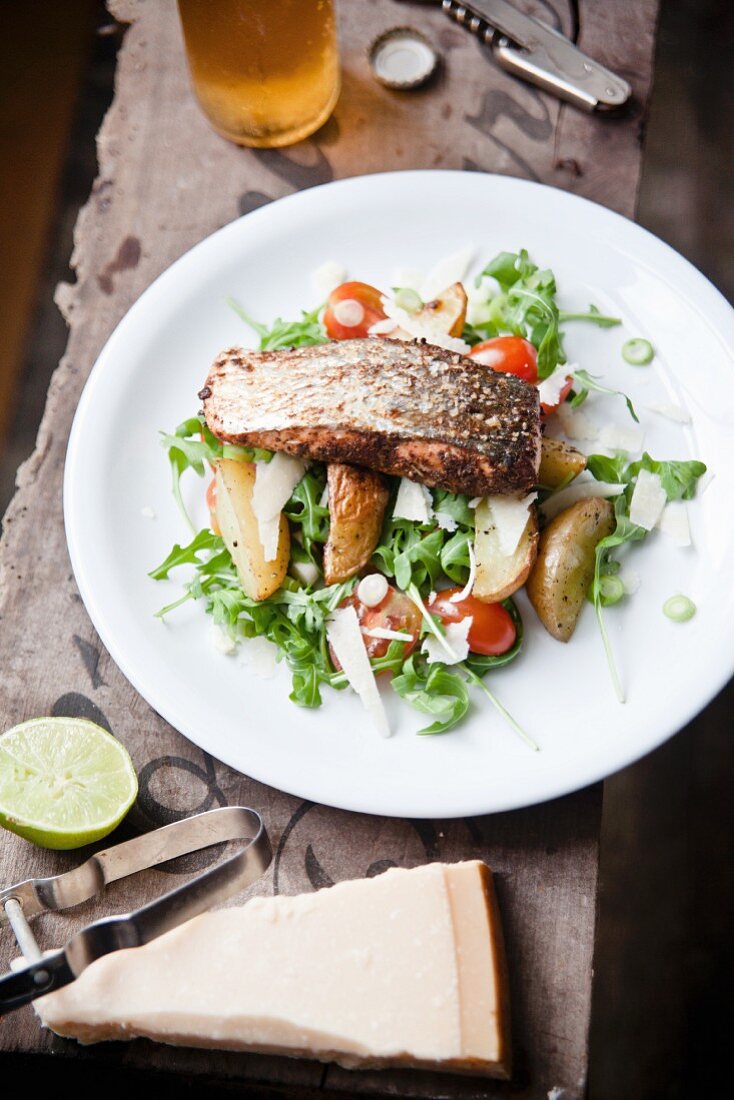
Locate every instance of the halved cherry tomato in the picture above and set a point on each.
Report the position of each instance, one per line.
(395, 612)
(546, 410)
(351, 311)
(492, 630)
(211, 503)
(511, 354)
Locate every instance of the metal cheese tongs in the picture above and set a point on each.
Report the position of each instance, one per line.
(535, 52)
(51, 971)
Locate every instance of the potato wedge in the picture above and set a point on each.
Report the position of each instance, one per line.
(499, 575)
(446, 313)
(560, 463)
(564, 569)
(239, 527)
(357, 502)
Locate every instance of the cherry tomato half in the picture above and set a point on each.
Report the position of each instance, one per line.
(546, 410)
(511, 354)
(492, 631)
(211, 503)
(351, 311)
(395, 612)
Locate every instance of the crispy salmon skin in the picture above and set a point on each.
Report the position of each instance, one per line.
(409, 409)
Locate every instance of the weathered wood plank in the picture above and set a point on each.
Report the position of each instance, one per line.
(165, 181)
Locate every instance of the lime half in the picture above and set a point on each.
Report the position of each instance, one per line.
(64, 782)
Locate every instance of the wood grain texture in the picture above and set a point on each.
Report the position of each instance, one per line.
(165, 181)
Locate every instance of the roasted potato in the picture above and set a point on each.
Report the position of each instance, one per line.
(446, 313)
(498, 575)
(239, 527)
(564, 569)
(357, 502)
(560, 463)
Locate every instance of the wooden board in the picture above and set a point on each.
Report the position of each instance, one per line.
(165, 181)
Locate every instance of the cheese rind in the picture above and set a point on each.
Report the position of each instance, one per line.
(403, 969)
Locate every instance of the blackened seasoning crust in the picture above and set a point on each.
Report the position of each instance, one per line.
(409, 409)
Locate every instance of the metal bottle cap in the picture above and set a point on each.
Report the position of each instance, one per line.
(402, 58)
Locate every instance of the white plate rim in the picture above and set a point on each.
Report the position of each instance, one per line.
(717, 314)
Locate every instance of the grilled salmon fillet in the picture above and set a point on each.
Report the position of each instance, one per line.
(408, 409)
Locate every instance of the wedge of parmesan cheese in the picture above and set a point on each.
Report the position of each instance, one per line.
(403, 969)
(648, 500)
(345, 638)
(413, 501)
(274, 482)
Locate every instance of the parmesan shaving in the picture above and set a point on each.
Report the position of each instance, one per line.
(383, 328)
(510, 518)
(674, 523)
(261, 657)
(475, 502)
(445, 521)
(345, 638)
(467, 589)
(478, 313)
(580, 490)
(549, 390)
(413, 502)
(410, 277)
(671, 412)
(630, 580)
(386, 635)
(422, 328)
(221, 641)
(457, 640)
(327, 277)
(488, 289)
(305, 571)
(451, 269)
(274, 483)
(648, 500)
(615, 438)
(576, 425)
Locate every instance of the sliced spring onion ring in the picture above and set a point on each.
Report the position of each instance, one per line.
(679, 608)
(408, 299)
(638, 352)
(611, 589)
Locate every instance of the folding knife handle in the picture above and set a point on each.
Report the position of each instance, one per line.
(537, 53)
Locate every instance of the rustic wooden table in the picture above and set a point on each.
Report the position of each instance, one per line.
(166, 181)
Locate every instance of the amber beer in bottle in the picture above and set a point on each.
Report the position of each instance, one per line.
(265, 72)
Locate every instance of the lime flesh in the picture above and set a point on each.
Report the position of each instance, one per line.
(64, 782)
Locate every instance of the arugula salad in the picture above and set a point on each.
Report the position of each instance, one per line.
(430, 588)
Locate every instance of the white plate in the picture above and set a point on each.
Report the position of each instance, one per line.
(147, 379)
